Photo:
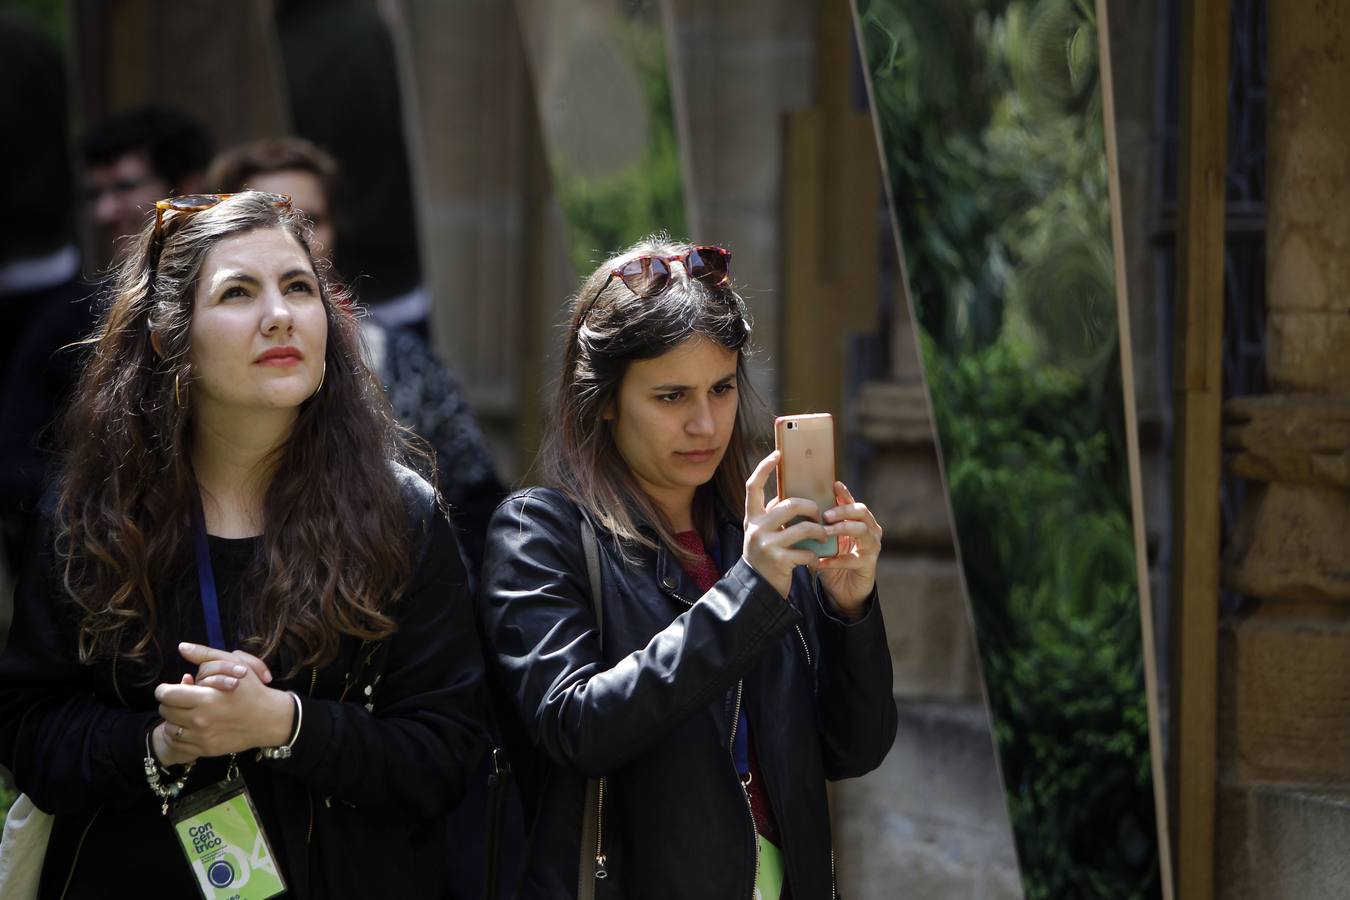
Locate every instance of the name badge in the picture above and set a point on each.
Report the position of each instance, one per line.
(769, 884)
(225, 844)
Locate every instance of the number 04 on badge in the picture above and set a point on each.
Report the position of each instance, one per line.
(806, 467)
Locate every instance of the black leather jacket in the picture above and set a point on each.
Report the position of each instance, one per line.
(359, 810)
(653, 709)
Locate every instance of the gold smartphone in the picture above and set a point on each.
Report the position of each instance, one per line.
(806, 467)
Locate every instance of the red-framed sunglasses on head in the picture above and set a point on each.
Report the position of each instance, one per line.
(649, 275)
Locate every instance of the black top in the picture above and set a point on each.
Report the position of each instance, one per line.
(360, 808)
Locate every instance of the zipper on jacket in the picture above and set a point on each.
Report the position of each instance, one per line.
(804, 647)
(745, 786)
(601, 871)
(735, 722)
(78, 848)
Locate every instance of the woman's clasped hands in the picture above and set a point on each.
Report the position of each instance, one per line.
(226, 707)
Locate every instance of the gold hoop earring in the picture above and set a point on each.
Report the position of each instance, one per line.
(322, 375)
(177, 392)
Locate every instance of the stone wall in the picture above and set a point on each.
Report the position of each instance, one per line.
(1284, 689)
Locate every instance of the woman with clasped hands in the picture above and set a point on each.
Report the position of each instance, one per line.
(677, 705)
(244, 657)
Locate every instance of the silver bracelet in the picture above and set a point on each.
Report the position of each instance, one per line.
(157, 776)
(284, 751)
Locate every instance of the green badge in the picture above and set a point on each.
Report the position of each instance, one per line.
(225, 843)
(769, 884)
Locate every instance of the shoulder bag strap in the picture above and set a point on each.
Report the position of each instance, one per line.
(591, 548)
(591, 865)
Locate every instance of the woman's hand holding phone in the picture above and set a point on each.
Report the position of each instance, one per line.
(848, 578)
(768, 544)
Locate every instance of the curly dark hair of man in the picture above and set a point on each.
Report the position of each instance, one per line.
(335, 543)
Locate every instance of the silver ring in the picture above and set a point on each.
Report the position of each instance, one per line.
(178, 735)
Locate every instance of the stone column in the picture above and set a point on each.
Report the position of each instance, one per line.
(736, 71)
(219, 62)
(138, 52)
(1284, 707)
(1292, 542)
(493, 257)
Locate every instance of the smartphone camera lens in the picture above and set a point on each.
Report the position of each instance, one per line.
(792, 426)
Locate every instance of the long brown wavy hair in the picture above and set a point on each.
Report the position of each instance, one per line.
(335, 543)
(611, 327)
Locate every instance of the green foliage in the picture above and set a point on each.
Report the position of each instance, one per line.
(1048, 553)
(929, 84)
(608, 213)
(991, 119)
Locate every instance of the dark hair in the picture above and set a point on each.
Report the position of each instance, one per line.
(176, 144)
(232, 169)
(611, 327)
(335, 541)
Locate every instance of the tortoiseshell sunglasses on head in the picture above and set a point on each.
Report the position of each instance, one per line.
(191, 203)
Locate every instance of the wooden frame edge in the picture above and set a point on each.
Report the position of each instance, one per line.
(1132, 454)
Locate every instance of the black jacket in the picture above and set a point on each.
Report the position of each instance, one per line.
(653, 708)
(38, 367)
(359, 810)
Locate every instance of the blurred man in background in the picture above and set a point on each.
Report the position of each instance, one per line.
(134, 158)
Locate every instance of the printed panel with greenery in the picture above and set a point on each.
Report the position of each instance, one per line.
(991, 119)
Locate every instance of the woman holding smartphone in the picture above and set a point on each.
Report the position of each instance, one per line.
(244, 657)
(680, 699)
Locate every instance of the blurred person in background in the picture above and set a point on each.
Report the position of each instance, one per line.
(133, 158)
(44, 304)
(423, 393)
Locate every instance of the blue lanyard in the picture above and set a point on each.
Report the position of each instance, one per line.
(740, 750)
(206, 581)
